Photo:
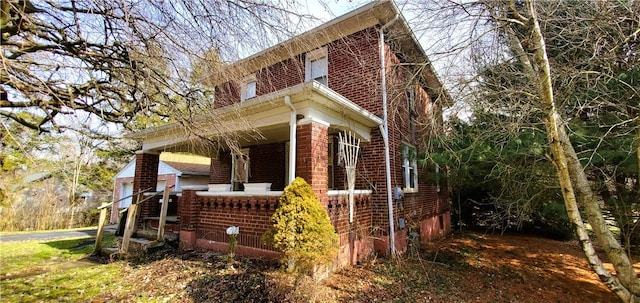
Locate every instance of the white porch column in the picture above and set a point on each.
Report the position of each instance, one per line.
(292, 139)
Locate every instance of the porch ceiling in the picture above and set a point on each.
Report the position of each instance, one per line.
(261, 120)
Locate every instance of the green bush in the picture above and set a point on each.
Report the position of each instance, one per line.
(302, 229)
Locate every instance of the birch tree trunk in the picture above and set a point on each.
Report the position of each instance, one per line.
(573, 181)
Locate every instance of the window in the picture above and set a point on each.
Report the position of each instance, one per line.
(409, 168)
(316, 66)
(248, 89)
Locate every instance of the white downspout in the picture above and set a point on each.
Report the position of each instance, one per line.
(385, 135)
(292, 139)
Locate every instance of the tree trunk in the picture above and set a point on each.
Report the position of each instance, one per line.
(573, 182)
(614, 251)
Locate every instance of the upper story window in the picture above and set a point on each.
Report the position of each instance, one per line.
(248, 89)
(317, 66)
(409, 168)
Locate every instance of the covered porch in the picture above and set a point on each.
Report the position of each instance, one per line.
(260, 145)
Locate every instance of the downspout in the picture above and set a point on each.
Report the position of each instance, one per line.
(385, 135)
(292, 139)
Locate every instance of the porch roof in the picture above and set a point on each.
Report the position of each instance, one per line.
(264, 119)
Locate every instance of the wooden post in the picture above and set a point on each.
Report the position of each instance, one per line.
(163, 212)
(101, 223)
(131, 225)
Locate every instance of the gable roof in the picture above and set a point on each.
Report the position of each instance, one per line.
(376, 13)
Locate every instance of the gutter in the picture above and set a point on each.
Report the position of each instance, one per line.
(384, 128)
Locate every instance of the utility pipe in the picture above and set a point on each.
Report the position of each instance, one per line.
(385, 135)
(292, 139)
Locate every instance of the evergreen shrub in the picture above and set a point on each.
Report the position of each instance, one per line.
(302, 229)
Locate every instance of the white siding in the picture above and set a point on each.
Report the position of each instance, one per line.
(127, 171)
(192, 180)
(164, 169)
(125, 191)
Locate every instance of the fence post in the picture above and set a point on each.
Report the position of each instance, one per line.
(163, 213)
(101, 223)
(131, 225)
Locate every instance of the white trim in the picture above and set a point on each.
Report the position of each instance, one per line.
(309, 98)
(245, 92)
(309, 120)
(409, 165)
(238, 194)
(195, 187)
(317, 55)
(119, 174)
(344, 192)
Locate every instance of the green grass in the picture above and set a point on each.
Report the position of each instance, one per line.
(56, 270)
(62, 285)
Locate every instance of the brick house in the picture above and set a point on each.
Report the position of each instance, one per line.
(298, 96)
(173, 170)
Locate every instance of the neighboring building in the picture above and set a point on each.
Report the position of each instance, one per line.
(173, 170)
(299, 95)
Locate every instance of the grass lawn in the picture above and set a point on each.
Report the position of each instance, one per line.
(55, 270)
(469, 267)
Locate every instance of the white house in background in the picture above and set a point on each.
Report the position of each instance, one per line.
(173, 169)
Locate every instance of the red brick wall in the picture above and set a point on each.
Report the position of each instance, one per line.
(281, 75)
(311, 158)
(227, 94)
(355, 237)
(354, 69)
(220, 169)
(354, 72)
(188, 210)
(250, 213)
(146, 177)
(268, 165)
(210, 217)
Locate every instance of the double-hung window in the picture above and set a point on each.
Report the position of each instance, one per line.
(409, 168)
(248, 89)
(317, 66)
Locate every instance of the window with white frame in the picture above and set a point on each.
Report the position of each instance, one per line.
(409, 168)
(317, 66)
(248, 89)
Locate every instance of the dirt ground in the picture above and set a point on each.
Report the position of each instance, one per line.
(472, 267)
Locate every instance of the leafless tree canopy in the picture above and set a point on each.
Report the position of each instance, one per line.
(122, 61)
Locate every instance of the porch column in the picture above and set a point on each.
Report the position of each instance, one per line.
(146, 176)
(312, 156)
(220, 169)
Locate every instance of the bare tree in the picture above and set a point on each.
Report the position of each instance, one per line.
(98, 61)
(571, 73)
